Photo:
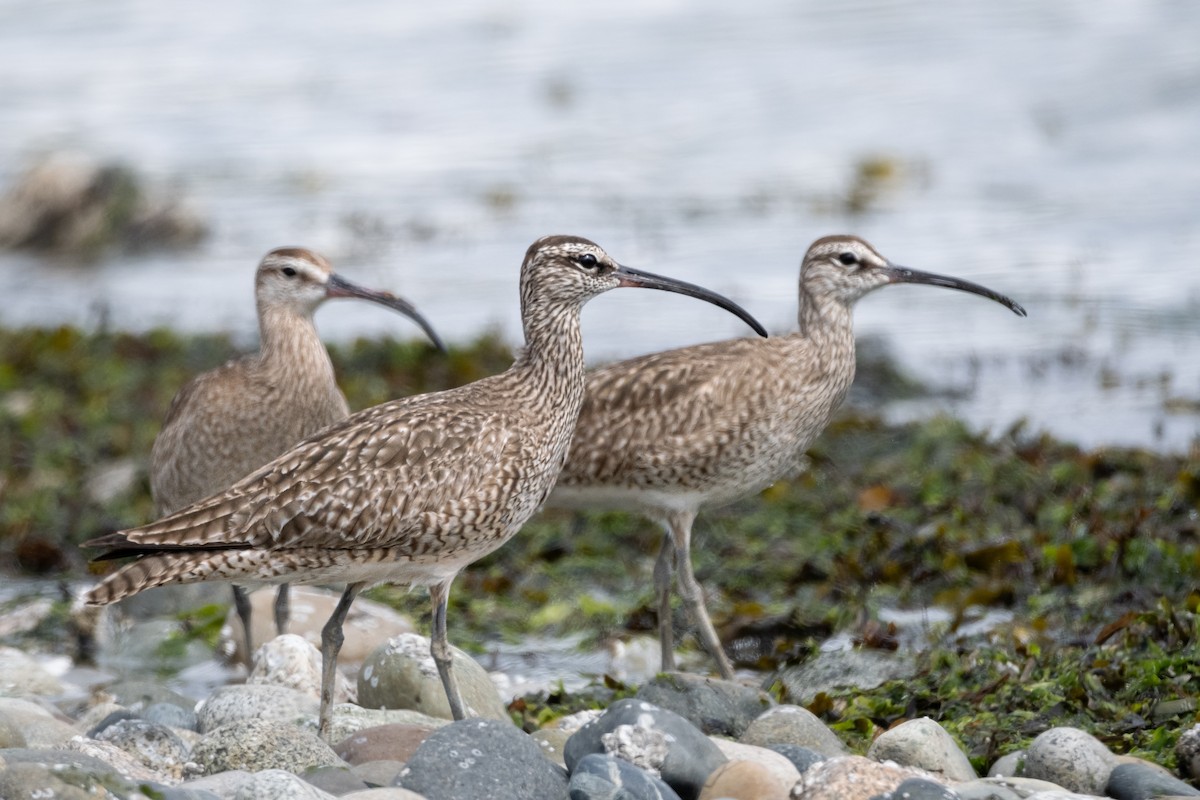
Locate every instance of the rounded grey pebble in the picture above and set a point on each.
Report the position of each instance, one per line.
(261, 702)
(138, 695)
(156, 746)
(918, 789)
(1011, 765)
(278, 784)
(601, 777)
(717, 707)
(801, 757)
(689, 757)
(337, 781)
(1187, 752)
(401, 674)
(477, 758)
(172, 716)
(789, 724)
(255, 745)
(1073, 759)
(1140, 782)
(924, 744)
(111, 719)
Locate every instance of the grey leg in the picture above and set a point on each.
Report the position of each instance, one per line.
(281, 608)
(693, 596)
(331, 643)
(663, 570)
(241, 602)
(439, 648)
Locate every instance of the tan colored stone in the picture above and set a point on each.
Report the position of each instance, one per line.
(745, 780)
(852, 778)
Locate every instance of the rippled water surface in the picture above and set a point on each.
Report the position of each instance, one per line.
(1046, 150)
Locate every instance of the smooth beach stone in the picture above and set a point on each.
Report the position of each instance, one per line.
(278, 784)
(380, 773)
(22, 676)
(292, 661)
(858, 668)
(59, 774)
(255, 744)
(1075, 760)
(125, 764)
(112, 718)
(478, 758)
(349, 719)
(395, 742)
(1187, 752)
(851, 778)
(651, 737)
(1011, 765)
(402, 674)
(602, 777)
(801, 757)
(172, 716)
(778, 766)
(259, 702)
(157, 747)
(999, 788)
(745, 780)
(919, 789)
(1141, 782)
(924, 744)
(385, 793)
(336, 781)
(789, 724)
(714, 706)
(138, 695)
(222, 784)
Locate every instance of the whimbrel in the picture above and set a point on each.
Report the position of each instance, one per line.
(410, 491)
(667, 434)
(230, 420)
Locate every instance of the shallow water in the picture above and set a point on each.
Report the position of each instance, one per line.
(1047, 151)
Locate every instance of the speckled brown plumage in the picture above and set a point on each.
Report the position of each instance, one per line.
(670, 433)
(410, 491)
(228, 421)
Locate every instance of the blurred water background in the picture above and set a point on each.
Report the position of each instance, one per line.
(1047, 150)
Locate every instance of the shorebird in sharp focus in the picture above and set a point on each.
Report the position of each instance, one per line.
(410, 491)
(233, 419)
(670, 433)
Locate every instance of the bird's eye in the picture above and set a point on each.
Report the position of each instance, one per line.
(588, 261)
(848, 258)
(289, 271)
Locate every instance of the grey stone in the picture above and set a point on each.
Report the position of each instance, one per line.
(265, 703)
(1141, 782)
(112, 718)
(123, 763)
(278, 784)
(402, 674)
(1011, 765)
(552, 741)
(256, 744)
(1075, 760)
(918, 789)
(717, 707)
(378, 773)
(1187, 752)
(61, 774)
(476, 758)
(925, 744)
(349, 719)
(222, 784)
(788, 724)
(601, 777)
(138, 695)
(997, 788)
(630, 725)
(155, 746)
(336, 781)
(292, 661)
(22, 676)
(801, 757)
(394, 742)
(863, 669)
(385, 793)
(172, 716)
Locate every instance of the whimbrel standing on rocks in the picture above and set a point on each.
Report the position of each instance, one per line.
(237, 417)
(670, 433)
(410, 491)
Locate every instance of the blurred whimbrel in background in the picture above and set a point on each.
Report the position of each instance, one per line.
(410, 491)
(237, 417)
(667, 434)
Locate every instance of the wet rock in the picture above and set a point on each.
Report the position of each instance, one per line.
(222, 784)
(70, 204)
(402, 674)
(349, 719)
(378, 773)
(864, 669)
(59, 773)
(719, 707)
(788, 724)
(259, 744)
(384, 742)
(1187, 752)
(10, 734)
(1141, 782)
(925, 744)
(172, 716)
(336, 781)
(1011, 789)
(91, 718)
(368, 624)
(851, 778)
(1008, 766)
(801, 757)
(1075, 760)
(602, 777)
(157, 747)
(387, 793)
(138, 695)
(34, 726)
(476, 758)
(278, 784)
(124, 764)
(22, 676)
(110, 719)
(747, 780)
(650, 737)
(291, 661)
(257, 702)
(919, 789)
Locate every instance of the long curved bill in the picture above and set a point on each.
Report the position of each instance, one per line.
(337, 286)
(906, 275)
(647, 280)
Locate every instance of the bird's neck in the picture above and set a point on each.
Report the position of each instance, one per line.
(552, 360)
(289, 341)
(828, 324)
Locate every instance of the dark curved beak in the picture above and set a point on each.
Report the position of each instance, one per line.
(905, 275)
(337, 286)
(646, 280)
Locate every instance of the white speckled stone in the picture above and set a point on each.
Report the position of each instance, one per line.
(1071, 758)
(924, 744)
(292, 661)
